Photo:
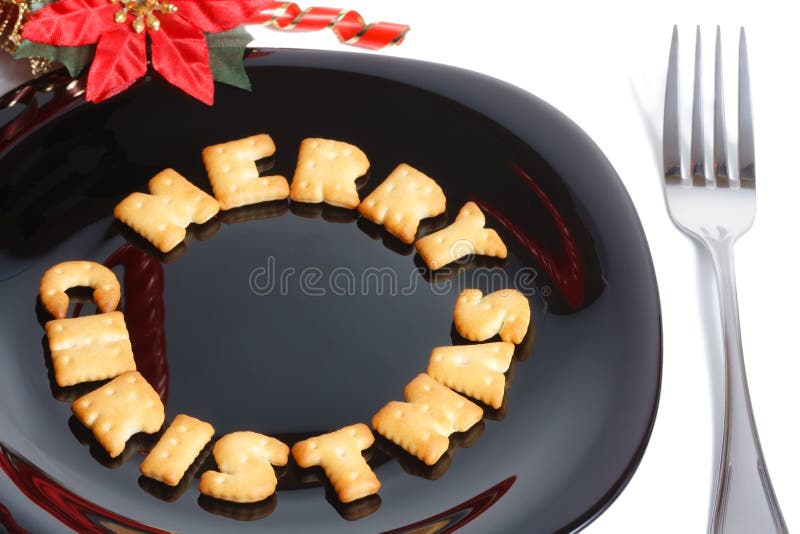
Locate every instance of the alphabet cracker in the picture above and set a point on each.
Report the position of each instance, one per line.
(245, 461)
(177, 449)
(234, 176)
(118, 410)
(162, 216)
(93, 347)
(58, 278)
(474, 370)
(464, 237)
(405, 198)
(423, 426)
(505, 312)
(339, 454)
(461, 413)
(327, 171)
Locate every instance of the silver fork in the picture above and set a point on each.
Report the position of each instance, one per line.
(716, 208)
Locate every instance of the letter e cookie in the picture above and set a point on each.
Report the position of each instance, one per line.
(234, 176)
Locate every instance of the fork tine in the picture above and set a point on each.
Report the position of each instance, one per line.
(747, 158)
(698, 159)
(720, 141)
(672, 132)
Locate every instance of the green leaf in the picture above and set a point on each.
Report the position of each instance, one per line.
(72, 57)
(227, 66)
(235, 38)
(36, 5)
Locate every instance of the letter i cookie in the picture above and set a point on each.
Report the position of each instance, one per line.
(245, 461)
(118, 410)
(339, 455)
(177, 449)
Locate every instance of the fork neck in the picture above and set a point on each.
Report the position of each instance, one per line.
(745, 501)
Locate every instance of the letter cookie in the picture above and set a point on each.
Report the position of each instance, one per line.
(461, 413)
(505, 312)
(474, 370)
(94, 347)
(234, 176)
(118, 410)
(162, 216)
(339, 454)
(58, 278)
(464, 237)
(177, 449)
(327, 171)
(423, 426)
(245, 461)
(405, 198)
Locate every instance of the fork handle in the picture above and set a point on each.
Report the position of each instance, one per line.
(744, 501)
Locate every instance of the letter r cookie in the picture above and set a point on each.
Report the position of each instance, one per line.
(405, 198)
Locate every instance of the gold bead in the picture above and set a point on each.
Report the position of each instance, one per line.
(152, 22)
(138, 24)
(121, 15)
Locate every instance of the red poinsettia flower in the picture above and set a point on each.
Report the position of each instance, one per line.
(178, 46)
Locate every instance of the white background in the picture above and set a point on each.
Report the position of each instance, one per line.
(603, 63)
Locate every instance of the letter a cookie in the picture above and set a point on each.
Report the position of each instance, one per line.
(245, 461)
(464, 237)
(474, 370)
(339, 454)
(505, 312)
(327, 171)
(405, 198)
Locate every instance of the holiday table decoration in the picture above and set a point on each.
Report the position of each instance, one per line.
(192, 43)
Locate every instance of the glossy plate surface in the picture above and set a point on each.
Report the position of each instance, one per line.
(296, 320)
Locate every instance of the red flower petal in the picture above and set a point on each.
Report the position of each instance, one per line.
(180, 54)
(120, 60)
(214, 16)
(71, 22)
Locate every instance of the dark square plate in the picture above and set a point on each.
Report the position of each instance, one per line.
(293, 320)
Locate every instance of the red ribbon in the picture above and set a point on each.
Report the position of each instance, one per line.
(349, 26)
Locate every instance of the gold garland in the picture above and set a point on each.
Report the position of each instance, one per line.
(12, 15)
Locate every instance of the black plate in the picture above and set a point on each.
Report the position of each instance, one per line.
(220, 343)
